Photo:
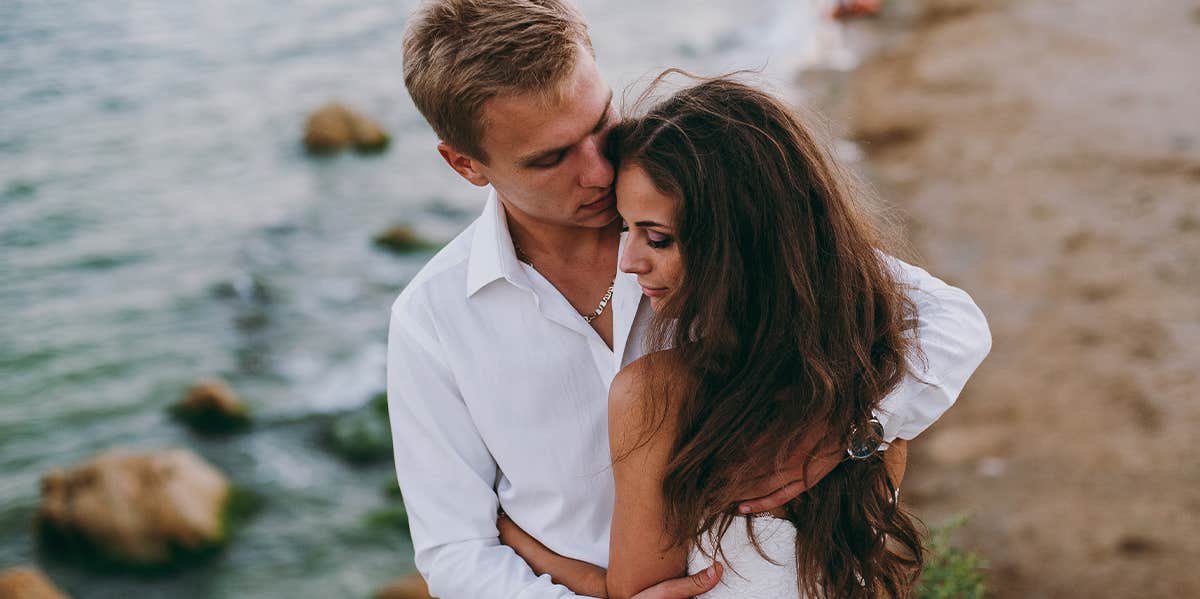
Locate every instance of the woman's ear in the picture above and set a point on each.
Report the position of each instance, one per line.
(462, 164)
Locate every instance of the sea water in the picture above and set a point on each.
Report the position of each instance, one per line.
(161, 223)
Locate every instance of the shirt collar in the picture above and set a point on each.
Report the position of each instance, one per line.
(492, 254)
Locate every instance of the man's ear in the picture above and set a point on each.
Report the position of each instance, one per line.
(462, 164)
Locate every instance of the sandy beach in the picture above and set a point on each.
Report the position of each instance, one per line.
(1046, 157)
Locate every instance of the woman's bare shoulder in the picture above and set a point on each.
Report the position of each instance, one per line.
(643, 398)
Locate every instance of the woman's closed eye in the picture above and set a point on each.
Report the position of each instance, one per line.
(658, 241)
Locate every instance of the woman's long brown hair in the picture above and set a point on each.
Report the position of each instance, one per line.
(787, 320)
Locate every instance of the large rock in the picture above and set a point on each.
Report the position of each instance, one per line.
(212, 407)
(334, 127)
(27, 583)
(138, 509)
(408, 587)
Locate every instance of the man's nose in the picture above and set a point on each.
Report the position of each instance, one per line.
(597, 170)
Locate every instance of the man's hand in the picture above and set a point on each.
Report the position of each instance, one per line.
(688, 586)
(895, 459)
(796, 476)
(776, 489)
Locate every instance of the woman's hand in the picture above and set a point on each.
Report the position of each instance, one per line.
(682, 588)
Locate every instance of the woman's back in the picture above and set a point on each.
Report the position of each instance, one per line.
(748, 574)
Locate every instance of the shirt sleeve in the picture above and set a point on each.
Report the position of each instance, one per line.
(447, 474)
(954, 338)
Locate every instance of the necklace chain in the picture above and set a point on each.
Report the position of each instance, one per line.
(588, 318)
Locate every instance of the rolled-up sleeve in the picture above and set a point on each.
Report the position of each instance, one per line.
(446, 472)
(954, 338)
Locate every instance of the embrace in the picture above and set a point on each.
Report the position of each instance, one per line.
(672, 357)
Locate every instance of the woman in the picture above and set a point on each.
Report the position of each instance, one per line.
(782, 318)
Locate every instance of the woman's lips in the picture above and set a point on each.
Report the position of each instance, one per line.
(654, 291)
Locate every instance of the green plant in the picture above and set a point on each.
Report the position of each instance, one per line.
(950, 572)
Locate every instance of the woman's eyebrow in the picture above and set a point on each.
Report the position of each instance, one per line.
(650, 223)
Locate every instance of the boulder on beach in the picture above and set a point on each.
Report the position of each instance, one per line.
(401, 239)
(139, 509)
(408, 587)
(334, 127)
(27, 583)
(211, 406)
(363, 435)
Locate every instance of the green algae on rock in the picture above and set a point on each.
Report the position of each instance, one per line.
(27, 583)
(402, 239)
(362, 435)
(212, 407)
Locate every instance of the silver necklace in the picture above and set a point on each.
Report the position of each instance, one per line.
(588, 318)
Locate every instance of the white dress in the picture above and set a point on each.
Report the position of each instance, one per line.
(747, 574)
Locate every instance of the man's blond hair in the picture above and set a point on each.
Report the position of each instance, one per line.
(458, 54)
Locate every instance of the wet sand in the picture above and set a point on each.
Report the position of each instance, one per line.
(1046, 156)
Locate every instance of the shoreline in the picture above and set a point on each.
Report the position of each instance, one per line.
(1047, 157)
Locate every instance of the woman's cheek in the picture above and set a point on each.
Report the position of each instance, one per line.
(675, 265)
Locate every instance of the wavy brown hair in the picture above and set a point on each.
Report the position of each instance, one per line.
(787, 320)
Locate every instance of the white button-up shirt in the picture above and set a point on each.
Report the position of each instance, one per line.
(497, 394)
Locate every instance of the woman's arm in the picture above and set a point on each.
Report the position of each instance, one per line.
(641, 553)
(643, 562)
(588, 579)
(579, 576)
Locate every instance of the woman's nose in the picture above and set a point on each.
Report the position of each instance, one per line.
(633, 260)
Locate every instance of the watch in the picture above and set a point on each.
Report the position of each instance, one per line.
(864, 444)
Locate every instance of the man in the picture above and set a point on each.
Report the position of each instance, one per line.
(501, 349)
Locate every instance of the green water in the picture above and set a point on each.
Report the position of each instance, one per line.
(159, 224)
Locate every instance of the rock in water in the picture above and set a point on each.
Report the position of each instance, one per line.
(145, 510)
(212, 407)
(334, 127)
(401, 239)
(27, 583)
(409, 587)
(363, 435)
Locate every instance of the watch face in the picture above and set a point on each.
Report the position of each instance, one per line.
(862, 449)
(864, 443)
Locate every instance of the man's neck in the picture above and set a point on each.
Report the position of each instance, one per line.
(554, 245)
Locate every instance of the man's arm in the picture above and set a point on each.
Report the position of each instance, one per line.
(447, 474)
(953, 337)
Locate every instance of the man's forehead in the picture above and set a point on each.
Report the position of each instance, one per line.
(555, 128)
(537, 121)
(518, 121)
